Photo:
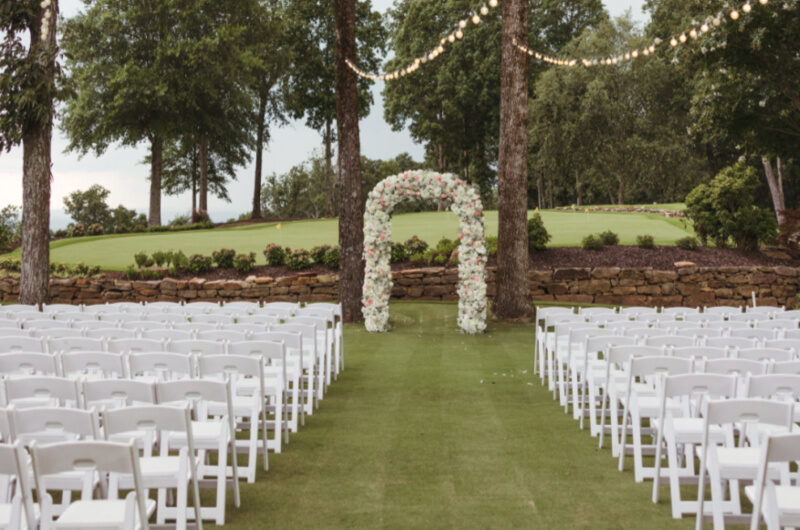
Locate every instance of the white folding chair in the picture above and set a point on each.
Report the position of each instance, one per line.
(669, 342)
(325, 340)
(680, 428)
(246, 307)
(28, 363)
(209, 435)
(725, 311)
(205, 307)
(50, 333)
(19, 513)
(92, 458)
(756, 334)
(700, 353)
(591, 374)
(790, 367)
(549, 343)
(211, 319)
(162, 307)
(776, 503)
(166, 334)
(293, 343)
(727, 463)
(291, 307)
(196, 347)
(195, 327)
(135, 345)
(40, 390)
(784, 344)
(108, 333)
(222, 335)
(70, 344)
(246, 375)
(19, 308)
(121, 317)
(30, 344)
(163, 471)
(93, 365)
(124, 307)
(160, 366)
(765, 354)
(118, 393)
(597, 313)
(731, 343)
(141, 325)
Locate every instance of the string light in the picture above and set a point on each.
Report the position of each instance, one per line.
(440, 48)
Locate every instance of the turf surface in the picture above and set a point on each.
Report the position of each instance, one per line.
(115, 252)
(429, 428)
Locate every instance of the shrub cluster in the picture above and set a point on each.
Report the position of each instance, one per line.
(687, 243)
(537, 233)
(56, 269)
(598, 241)
(223, 258)
(244, 262)
(275, 254)
(645, 241)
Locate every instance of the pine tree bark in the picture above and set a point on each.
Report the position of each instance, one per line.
(512, 299)
(36, 160)
(203, 185)
(775, 186)
(330, 199)
(156, 166)
(351, 207)
(262, 110)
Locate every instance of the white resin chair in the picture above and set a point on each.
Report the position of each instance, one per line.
(70, 344)
(669, 341)
(118, 393)
(160, 366)
(93, 365)
(790, 367)
(592, 369)
(92, 458)
(28, 363)
(166, 334)
(135, 345)
(19, 513)
(30, 344)
(777, 504)
(296, 359)
(196, 347)
(765, 354)
(42, 391)
(102, 331)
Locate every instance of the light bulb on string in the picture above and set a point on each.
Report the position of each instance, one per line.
(682, 37)
(459, 34)
(476, 18)
(693, 33)
(704, 28)
(462, 24)
(673, 42)
(734, 15)
(484, 10)
(493, 3)
(747, 7)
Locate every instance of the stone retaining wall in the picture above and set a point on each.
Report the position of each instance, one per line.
(688, 286)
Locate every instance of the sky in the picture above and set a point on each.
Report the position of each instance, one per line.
(121, 171)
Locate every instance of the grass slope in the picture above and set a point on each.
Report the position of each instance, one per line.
(409, 437)
(115, 252)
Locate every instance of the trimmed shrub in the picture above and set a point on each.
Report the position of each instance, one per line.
(332, 258)
(645, 241)
(399, 253)
(95, 229)
(11, 265)
(131, 273)
(180, 220)
(140, 258)
(299, 259)
(159, 257)
(244, 262)
(417, 258)
(180, 260)
(491, 246)
(415, 245)
(199, 264)
(318, 253)
(592, 242)
(687, 243)
(537, 233)
(446, 246)
(224, 258)
(77, 230)
(608, 238)
(275, 254)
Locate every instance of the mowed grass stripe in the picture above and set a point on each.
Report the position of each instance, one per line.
(115, 252)
(409, 437)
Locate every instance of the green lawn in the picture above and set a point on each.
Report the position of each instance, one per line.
(116, 252)
(429, 428)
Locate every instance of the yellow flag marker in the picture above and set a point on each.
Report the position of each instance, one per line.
(278, 226)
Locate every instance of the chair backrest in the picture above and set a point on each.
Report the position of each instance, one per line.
(748, 411)
(109, 333)
(197, 347)
(194, 327)
(125, 307)
(635, 312)
(698, 352)
(8, 324)
(765, 309)
(679, 311)
(783, 386)
(42, 390)
(162, 365)
(18, 308)
(660, 365)
(702, 317)
(99, 456)
(622, 327)
(722, 310)
(61, 308)
(146, 418)
(162, 307)
(246, 327)
(55, 424)
(135, 345)
(730, 342)
(57, 333)
(242, 306)
(144, 324)
(778, 324)
(108, 364)
(258, 320)
(617, 355)
(642, 334)
(267, 349)
(212, 319)
(308, 332)
(292, 341)
(784, 344)
(739, 367)
(778, 448)
(551, 319)
(166, 334)
(197, 393)
(163, 319)
(716, 386)
(116, 393)
(28, 363)
(7, 424)
(752, 333)
(597, 313)
(221, 335)
(765, 354)
(122, 317)
(789, 367)
(11, 343)
(205, 306)
(670, 341)
(76, 344)
(702, 333)
(232, 367)
(14, 463)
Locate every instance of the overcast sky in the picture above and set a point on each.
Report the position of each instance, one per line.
(121, 171)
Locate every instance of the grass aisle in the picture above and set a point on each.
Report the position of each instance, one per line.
(409, 437)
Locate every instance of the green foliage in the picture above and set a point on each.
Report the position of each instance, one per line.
(94, 230)
(141, 258)
(77, 230)
(199, 264)
(645, 241)
(131, 273)
(332, 258)
(723, 210)
(298, 259)
(418, 258)
(415, 245)
(399, 253)
(275, 254)
(491, 246)
(318, 253)
(223, 258)
(123, 221)
(180, 220)
(10, 265)
(84, 270)
(687, 243)
(538, 237)
(608, 238)
(10, 227)
(180, 261)
(160, 258)
(88, 207)
(244, 262)
(592, 242)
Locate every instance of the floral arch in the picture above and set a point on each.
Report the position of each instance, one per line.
(465, 202)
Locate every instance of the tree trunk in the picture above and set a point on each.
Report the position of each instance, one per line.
(262, 110)
(36, 160)
(621, 192)
(330, 199)
(351, 208)
(775, 187)
(540, 189)
(512, 299)
(156, 165)
(194, 180)
(203, 163)
(579, 189)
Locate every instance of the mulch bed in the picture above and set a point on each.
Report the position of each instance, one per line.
(660, 258)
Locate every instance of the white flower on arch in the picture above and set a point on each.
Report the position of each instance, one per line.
(465, 202)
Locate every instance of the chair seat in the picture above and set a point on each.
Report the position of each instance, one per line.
(5, 514)
(98, 513)
(788, 500)
(690, 430)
